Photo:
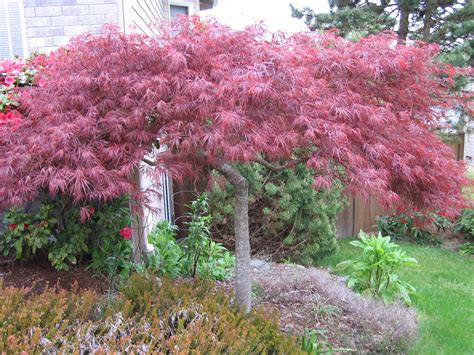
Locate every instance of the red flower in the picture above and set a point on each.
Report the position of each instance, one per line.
(404, 221)
(26, 226)
(126, 233)
(12, 225)
(91, 211)
(9, 81)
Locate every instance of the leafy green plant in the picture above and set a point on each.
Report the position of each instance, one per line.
(465, 223)
(466, 249)
(26, 233)
(167, 256)
(415, 226)
(193, 255)
(202, 255)
(311, 343)
(71, 242)
(196, 245)
(111, 255)
(375, 271)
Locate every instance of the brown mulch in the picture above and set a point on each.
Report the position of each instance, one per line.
(38, 274)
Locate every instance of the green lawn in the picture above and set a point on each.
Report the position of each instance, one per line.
(445, 303)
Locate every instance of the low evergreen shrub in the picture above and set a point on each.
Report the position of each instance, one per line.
(148, 315)
(287, 216)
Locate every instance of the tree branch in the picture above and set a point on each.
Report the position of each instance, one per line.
(276, 168)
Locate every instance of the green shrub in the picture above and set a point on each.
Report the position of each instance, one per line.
(375, 271)
(465, 224)
(60, 234)
(416, 227)
(466, 249)
(284, 209)
(147, 316)
(27, 233)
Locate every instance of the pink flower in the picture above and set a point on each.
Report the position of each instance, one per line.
(9, 80)
(126, 233)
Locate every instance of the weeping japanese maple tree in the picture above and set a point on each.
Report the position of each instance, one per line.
(359, 112)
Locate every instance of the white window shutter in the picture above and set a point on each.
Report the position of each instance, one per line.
(12, 34)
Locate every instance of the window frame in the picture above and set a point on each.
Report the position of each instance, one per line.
(188, 4)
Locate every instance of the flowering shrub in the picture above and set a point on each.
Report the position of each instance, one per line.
(416, 226)
(67, 238)
(13, 75)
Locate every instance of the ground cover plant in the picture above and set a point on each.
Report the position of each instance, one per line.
(444, 302)
(147, 315)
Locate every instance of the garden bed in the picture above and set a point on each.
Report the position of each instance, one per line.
(36, 275)
(312, 298)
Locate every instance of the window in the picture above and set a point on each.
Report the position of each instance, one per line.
(12, 33)
(176, 10)
(180, 8)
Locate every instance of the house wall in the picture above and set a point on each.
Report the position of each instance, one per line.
(51, 23)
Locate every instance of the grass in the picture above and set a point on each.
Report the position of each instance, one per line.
(445, 301)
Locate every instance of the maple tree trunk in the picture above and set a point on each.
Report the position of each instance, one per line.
(136, 222)
(243, 281)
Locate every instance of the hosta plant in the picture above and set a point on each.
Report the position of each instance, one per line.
(375, 271)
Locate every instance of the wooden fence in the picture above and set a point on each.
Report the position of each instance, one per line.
(361, 215)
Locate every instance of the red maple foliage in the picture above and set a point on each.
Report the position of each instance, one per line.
(362, 112)
(356, 111)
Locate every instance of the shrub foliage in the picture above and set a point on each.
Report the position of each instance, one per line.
(147, 316)
(287, 216)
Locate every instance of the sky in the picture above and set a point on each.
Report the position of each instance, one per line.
(276, 14)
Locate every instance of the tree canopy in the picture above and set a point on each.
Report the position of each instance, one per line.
(355, 111)
(359, 112)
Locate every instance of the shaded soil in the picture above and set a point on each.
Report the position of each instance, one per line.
(38, 274)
